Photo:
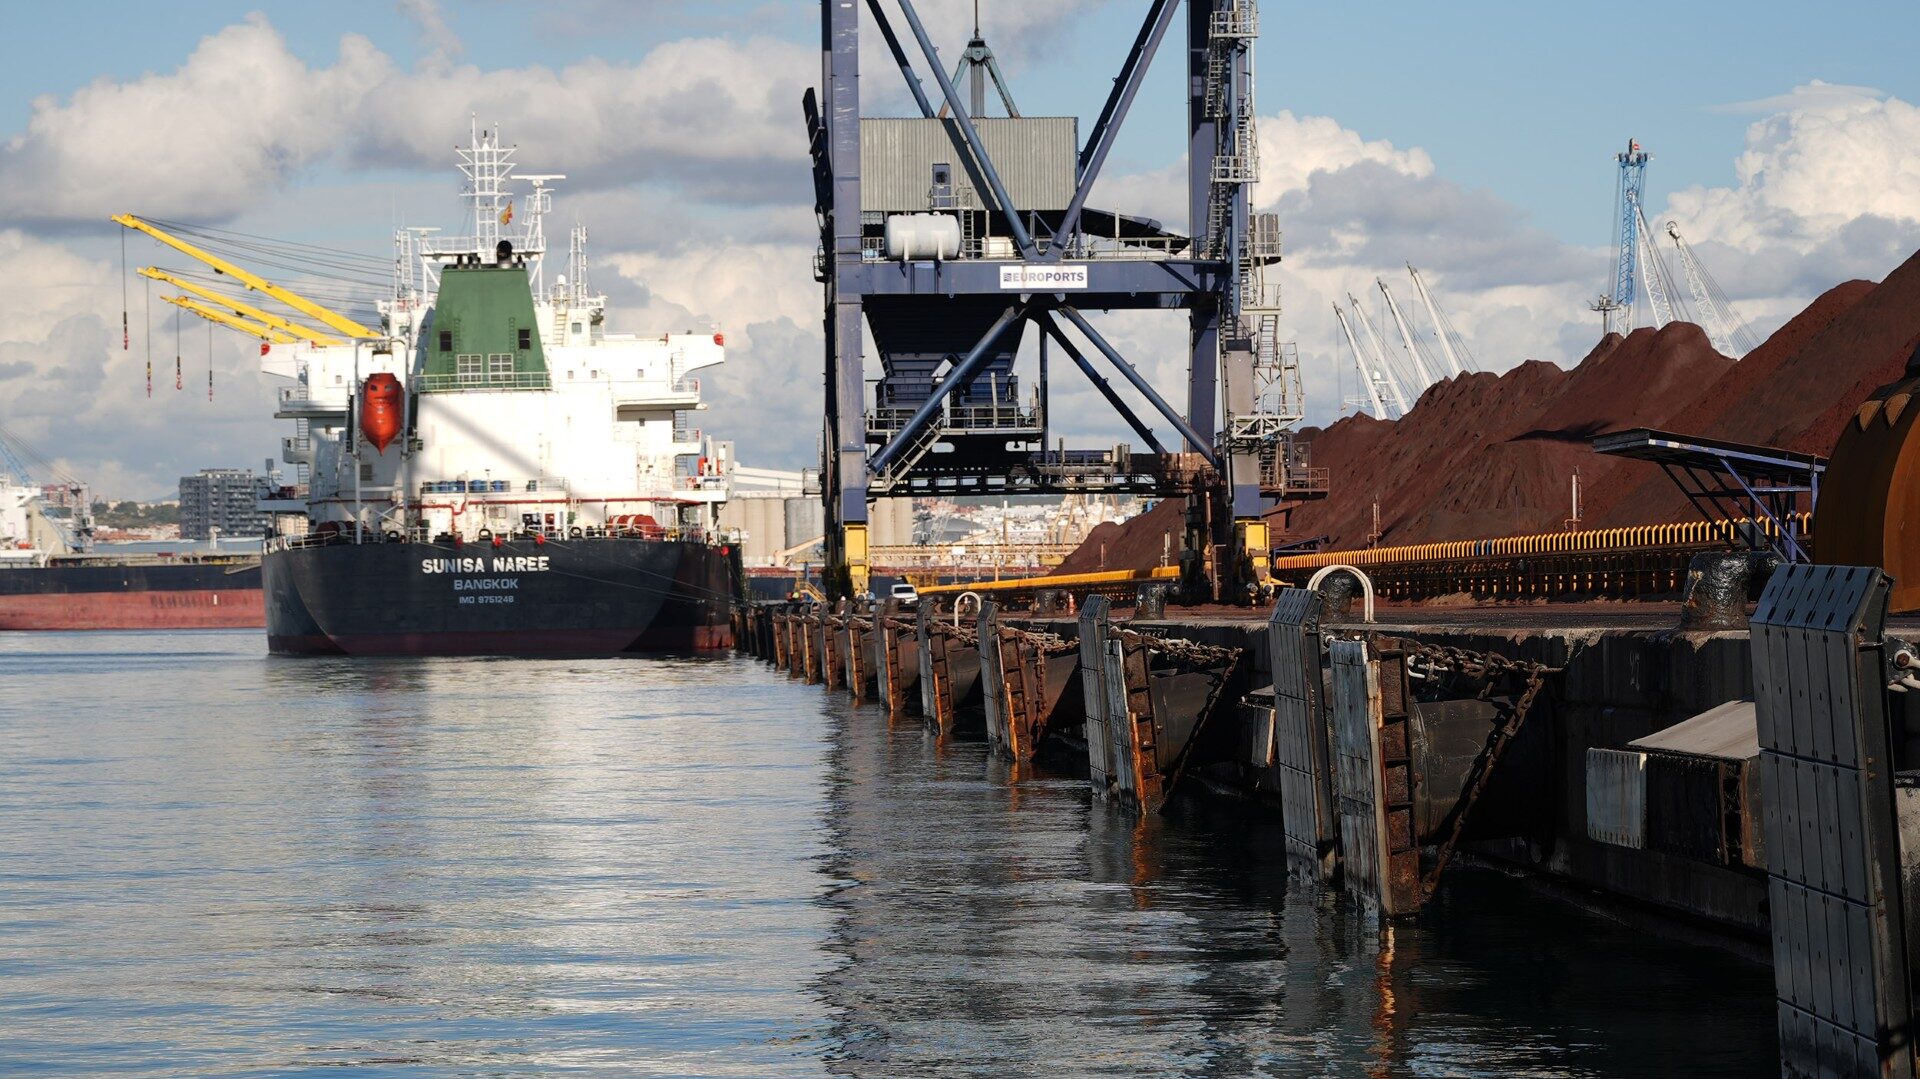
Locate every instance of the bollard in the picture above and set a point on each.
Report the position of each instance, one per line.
(1719, 584)
(1150, 601)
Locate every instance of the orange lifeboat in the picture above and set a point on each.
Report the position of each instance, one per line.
(382, 410)
(635, 524)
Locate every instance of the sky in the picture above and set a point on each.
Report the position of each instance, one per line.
(1474, 140)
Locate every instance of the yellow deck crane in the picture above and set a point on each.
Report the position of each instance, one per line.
(240, 310)
(326, 316)
(245, 325)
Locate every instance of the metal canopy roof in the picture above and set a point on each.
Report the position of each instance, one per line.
(1734, 485)
(1770, 463)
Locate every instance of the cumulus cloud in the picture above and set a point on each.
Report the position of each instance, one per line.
(1827, 187)
(691, 108)
(435, 34)
(1828, 155)
(113, 145)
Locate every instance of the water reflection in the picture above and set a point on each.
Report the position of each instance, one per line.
(215, 862)
(996, 920)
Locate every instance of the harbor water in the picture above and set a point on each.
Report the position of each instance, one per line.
(213, 862)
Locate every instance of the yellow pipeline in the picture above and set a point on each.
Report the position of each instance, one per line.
(1638, 537)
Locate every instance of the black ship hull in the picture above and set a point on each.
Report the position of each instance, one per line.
(568, 597)
(135, 593)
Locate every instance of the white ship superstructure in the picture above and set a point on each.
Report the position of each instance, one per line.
(568, 427)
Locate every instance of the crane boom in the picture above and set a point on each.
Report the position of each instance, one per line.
(1728, 330)
(1406, 336)
(1382, 369)
(1654, 276)
(253, 281)
(10, 463)
(1441, 327)
(1380, 356)
(241, 309)
(245, 325)
(1360, 364)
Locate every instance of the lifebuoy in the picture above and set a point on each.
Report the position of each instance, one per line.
(576, 532)
(483, 534)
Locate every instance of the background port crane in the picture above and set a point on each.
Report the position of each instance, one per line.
(1723, 324)
(1640, 268)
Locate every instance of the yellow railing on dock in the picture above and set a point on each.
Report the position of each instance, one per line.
(1065, 580)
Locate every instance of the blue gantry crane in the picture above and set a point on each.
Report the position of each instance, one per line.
(953, 237)
(1639, 268)
(1628, 186)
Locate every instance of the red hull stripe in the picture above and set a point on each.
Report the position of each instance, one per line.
(225, 608)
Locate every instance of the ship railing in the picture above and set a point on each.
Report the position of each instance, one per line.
(550, 533)
(1086, 248)
(490, 486)
(302, 397)
(442, 382)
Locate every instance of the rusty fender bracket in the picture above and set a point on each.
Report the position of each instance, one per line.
(898, 656)
(949, 670)
(1031, 685)
(833, 646)
(1148, 702)
(1397, 707)
(861, 652)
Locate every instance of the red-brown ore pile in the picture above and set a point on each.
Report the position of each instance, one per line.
(1494, 455)
(1134, 544)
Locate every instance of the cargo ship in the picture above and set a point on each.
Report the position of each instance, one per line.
(492, 470)
(53, 578)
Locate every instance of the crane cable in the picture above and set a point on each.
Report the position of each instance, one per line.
(148, 318)
(126, 341)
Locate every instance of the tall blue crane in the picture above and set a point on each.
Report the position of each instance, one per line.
(1627, 192)
(1633, 179)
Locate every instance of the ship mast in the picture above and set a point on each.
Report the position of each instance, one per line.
(487, 165)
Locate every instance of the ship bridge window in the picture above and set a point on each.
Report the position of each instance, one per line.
(446, 340)
(526, 338)
(499, 366)
(469, 367)
(577, 327)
